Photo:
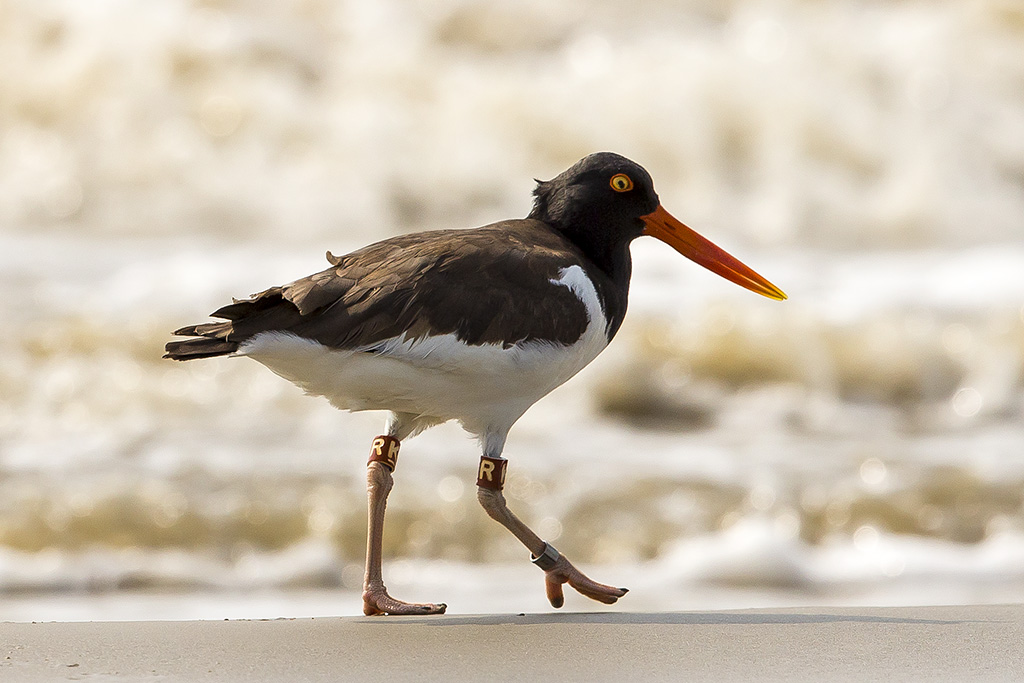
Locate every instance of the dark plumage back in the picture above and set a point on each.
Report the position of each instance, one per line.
(442, 282)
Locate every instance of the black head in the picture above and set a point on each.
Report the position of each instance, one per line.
(598, 201)
(604, 201)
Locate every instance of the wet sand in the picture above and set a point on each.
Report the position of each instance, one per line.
(805, 644)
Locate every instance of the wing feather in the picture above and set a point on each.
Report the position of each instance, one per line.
(488, 285)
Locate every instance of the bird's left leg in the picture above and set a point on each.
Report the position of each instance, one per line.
(557, 569)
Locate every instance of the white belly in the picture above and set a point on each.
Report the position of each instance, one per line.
(486, 387)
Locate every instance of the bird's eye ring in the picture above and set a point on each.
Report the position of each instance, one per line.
(621, 182)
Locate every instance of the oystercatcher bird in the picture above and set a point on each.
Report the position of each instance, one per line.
(468, 325)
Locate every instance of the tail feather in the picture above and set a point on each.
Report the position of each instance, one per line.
(221, 330)
(242, 319)
(212, 341)
(246, 308)
(203, 347)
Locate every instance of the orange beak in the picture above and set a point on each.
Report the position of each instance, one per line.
(662, 225)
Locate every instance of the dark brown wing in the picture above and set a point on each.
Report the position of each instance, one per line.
(487, 285)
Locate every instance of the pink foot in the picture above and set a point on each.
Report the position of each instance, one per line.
(564, 572)
(376, 601)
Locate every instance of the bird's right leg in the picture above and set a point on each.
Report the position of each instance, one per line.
(383, 458)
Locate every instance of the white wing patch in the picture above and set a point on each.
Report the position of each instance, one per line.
(594, 339)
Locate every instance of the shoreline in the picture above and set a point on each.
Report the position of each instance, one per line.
(972, 642)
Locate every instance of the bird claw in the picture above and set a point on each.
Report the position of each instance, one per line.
(565, 572)
(376, 601)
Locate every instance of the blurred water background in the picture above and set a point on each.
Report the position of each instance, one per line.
(861, 443)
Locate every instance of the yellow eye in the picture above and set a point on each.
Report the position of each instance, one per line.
(621, 182)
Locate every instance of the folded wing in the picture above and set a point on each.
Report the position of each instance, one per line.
(491, 285)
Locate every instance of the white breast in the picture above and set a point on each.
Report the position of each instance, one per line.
(486, 387)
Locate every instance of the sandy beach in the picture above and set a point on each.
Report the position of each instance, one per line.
(805, 644)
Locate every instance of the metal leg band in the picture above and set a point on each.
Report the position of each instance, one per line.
(547, 559)
(385, 451)
(491, 474)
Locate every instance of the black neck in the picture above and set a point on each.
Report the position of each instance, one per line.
(614, 291)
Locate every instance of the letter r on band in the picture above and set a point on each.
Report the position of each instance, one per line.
(486, 471)
(491, 474)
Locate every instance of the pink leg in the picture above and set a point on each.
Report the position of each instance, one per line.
(557, 569)
(375, 595)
